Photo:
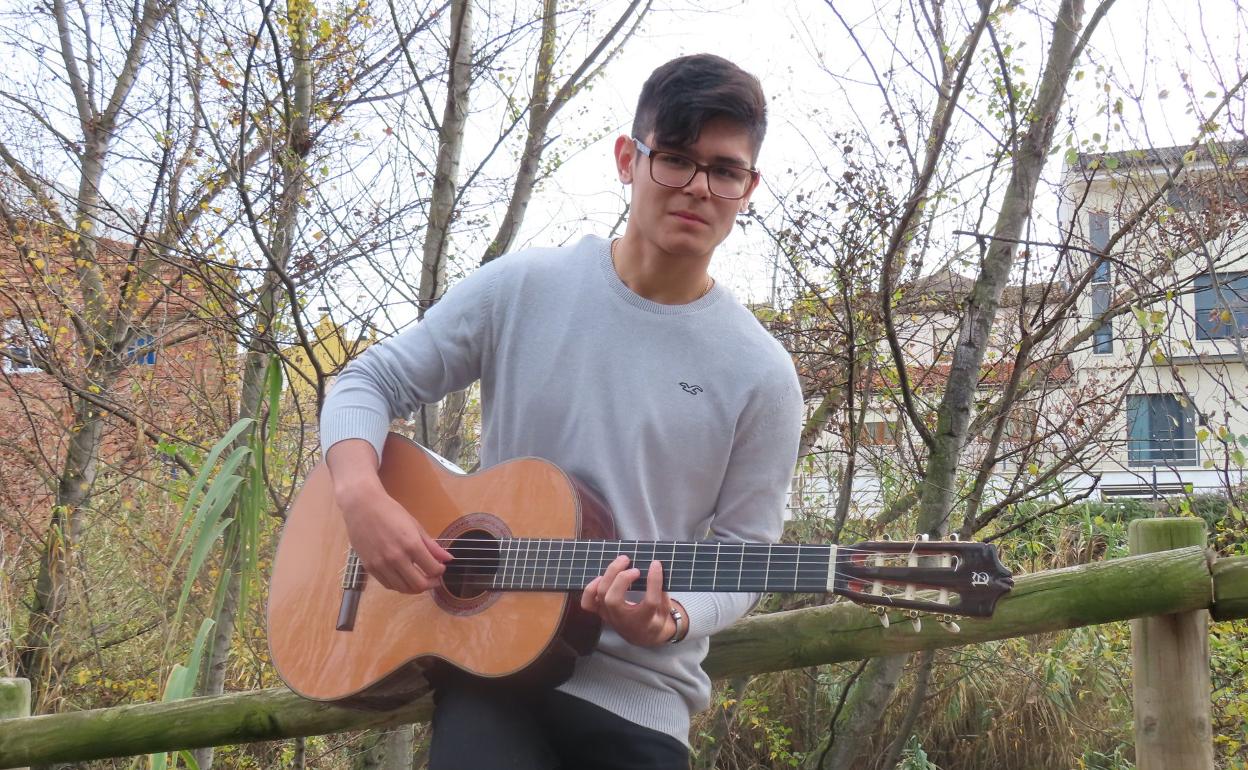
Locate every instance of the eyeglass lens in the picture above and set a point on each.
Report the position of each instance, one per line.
(672, 170)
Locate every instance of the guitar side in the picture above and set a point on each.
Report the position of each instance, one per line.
(497, 634)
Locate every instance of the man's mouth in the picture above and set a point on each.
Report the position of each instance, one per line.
(690, 217)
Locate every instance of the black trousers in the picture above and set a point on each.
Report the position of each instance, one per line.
(483, 726)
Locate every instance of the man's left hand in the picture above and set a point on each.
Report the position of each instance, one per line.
(647, 623)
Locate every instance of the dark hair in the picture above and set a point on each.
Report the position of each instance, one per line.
(683, 95)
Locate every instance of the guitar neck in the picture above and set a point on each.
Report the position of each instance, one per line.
(534, 564)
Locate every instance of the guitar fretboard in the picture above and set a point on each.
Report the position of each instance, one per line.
(532, 564)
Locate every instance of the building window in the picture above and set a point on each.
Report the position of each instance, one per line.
(1160, 430)
(142, 351)
(1098, 236)
(1103, 337)
(1098, 232)
(877, 433)
(23, 347)
(1184, 196)
(1225, 316)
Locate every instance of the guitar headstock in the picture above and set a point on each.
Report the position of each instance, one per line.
(941, 577)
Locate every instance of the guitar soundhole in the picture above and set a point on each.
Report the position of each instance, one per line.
(466, 584)
(475, 566)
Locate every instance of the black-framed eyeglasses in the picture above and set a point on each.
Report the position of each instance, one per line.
(673, 170)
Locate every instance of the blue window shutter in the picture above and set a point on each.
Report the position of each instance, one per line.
(1209, 322)
(1137, 430)
(141, 352)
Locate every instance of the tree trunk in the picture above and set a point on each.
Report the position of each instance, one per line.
(721, 727)
(540, 113)
(439, 425)
(261, 348)
(866, 702)
(922, 676)
(936, 495)
(939, 485)
(384, 749)
(37, 658)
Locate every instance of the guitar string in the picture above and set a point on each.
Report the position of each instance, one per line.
(539, 549)
(778, 579)
(540, 554)
(642, 559)
(923, 548)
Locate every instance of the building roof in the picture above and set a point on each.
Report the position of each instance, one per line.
(1148, 157)
(945, 290)
(992, 374)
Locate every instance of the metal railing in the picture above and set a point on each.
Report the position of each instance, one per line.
(1163, 452)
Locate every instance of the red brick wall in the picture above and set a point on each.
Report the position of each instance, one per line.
(188, 389)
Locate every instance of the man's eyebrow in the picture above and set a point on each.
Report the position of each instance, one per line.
(722, 160)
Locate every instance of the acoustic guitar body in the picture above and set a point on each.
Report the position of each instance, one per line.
(370, 652)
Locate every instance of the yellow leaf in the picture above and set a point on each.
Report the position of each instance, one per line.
(38, 263)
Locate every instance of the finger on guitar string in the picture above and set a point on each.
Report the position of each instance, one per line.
(590, 600)
(618, 565)
(646, 622)
(392, 544)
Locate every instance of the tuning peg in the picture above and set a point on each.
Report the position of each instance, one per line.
(916, 619)
(946, 561)
(882, 614)
(950, 626)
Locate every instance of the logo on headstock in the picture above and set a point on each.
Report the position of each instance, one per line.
(979, 579)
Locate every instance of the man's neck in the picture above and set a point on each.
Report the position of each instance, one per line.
(667, 279)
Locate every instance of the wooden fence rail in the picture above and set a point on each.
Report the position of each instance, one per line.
(1164, 583)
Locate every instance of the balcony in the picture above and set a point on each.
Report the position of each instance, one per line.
(1163, 452)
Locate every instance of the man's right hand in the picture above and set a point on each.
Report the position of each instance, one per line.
(391, 544)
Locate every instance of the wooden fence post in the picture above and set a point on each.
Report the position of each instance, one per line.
(1170, 655)
(14, 699)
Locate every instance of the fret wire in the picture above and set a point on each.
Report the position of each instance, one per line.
(559, 566)
(671, 581)
(602, 556)
(740, 568)
(514, 563)
(510, 563)
(584, 561)
(527, 576)
(537, 558)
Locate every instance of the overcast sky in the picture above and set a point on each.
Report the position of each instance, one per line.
(813, 72)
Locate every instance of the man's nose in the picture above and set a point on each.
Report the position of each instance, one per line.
(700, 185)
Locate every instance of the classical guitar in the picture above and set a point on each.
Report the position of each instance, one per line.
(526, 538)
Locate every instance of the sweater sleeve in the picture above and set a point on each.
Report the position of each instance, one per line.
(441, 354)
(752, 497)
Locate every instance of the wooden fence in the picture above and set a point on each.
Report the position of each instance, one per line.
(1169, 587)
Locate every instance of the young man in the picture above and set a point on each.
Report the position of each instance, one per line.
(627, 365)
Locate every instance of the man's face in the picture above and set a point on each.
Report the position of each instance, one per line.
(688, 221)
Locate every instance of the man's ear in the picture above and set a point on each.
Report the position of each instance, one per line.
(744, 205)
(625, 154)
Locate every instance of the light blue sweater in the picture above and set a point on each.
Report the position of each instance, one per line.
(684, 417)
